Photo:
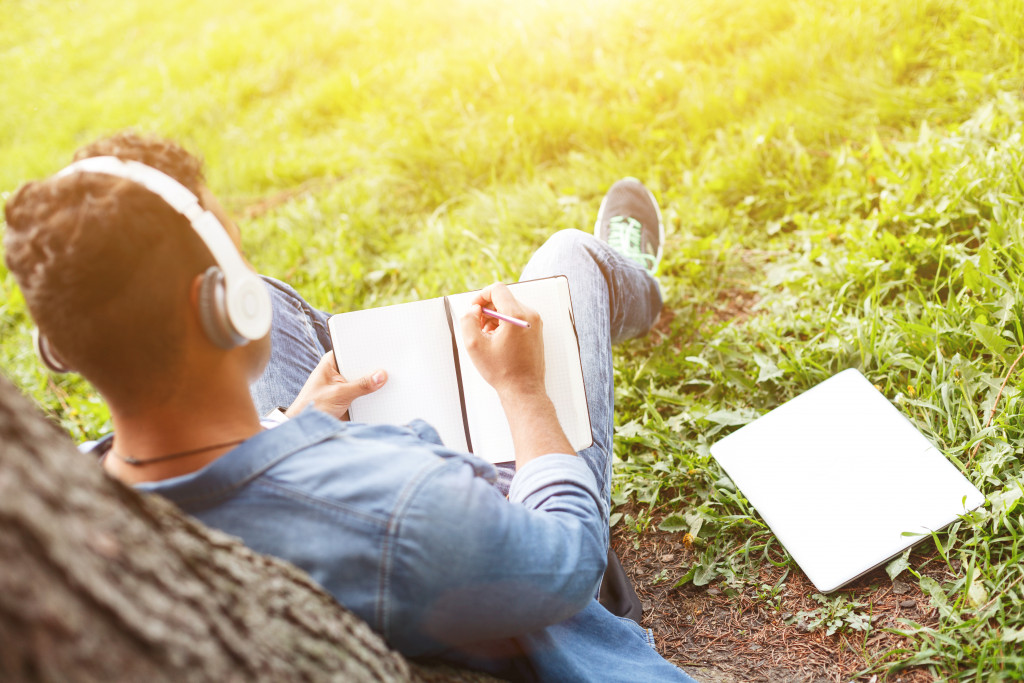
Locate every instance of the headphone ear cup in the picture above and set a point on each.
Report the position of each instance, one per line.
(213, 313)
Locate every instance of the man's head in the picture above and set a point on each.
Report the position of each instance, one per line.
(108, 268)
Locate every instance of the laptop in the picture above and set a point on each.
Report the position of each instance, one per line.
(843, 479)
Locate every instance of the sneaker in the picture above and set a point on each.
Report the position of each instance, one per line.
(629, 220)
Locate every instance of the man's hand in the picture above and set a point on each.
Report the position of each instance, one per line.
(331, 393)
(511, 359)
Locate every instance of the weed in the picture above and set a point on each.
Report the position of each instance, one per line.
(835, 614)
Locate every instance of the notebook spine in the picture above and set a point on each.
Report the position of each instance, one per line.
(458, 374)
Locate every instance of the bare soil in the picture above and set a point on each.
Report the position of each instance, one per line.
(723, 635)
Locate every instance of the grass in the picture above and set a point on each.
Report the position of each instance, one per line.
(842, 182)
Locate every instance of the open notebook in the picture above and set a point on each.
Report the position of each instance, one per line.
(431, 377)
(840, 476)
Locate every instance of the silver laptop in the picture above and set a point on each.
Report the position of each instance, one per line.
(843, 479)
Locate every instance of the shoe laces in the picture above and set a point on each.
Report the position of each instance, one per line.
(625, 235)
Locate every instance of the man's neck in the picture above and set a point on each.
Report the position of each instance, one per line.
(210, 422)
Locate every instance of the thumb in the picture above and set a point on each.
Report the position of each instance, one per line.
(367, 384)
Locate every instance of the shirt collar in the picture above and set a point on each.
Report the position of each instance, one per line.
(245, 462)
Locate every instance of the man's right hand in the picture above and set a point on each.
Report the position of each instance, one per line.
(511, 359)
(508, 357)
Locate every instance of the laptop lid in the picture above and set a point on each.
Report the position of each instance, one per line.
(839, 474)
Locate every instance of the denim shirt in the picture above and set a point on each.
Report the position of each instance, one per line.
(414, 539)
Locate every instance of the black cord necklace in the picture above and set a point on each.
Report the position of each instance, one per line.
(180, 454)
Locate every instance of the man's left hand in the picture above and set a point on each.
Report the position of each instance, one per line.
(330, 392)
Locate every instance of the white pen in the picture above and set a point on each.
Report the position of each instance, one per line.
(507, 318)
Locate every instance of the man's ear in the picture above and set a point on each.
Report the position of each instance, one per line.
(48, 354)
(193, 294)
(194, 317)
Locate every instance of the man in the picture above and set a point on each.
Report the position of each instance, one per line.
(443, 554)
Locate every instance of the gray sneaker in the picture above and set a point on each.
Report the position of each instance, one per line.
(629, 220)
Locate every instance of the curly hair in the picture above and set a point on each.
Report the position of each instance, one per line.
(105, 266)
(162, 155)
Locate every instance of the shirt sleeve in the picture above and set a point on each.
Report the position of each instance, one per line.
(467, 565)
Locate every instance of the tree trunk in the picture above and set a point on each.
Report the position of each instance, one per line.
(100, 583)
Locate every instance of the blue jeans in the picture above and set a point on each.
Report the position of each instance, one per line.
(613, 299)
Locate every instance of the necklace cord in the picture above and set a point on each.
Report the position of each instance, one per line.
(180, 454)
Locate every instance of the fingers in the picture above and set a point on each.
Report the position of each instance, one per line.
(364, 385)
(330, 392)
(483, 297)
(503, 300)
(477, 327)
(499, 297)
(338, 396)
(327, 365)
(471, 324)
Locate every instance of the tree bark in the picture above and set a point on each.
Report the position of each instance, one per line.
(100, 583)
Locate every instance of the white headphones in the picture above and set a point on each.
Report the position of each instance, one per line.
(234, 305)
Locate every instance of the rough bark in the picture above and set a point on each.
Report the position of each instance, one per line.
(100, 583)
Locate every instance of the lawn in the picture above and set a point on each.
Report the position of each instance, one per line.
(842, 183)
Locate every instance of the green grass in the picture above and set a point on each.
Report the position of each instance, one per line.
(851, 171)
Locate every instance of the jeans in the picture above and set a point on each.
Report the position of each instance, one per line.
(613, 299)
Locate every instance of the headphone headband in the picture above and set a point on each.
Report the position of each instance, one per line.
(246, 301)
(159, 183)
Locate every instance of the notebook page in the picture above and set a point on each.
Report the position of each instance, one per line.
(488, 428)
(412, 342)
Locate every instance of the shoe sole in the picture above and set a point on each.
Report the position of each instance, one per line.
(657, 210)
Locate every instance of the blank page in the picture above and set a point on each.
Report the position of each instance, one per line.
(488, 428)
(413, 343)
(839, 474)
